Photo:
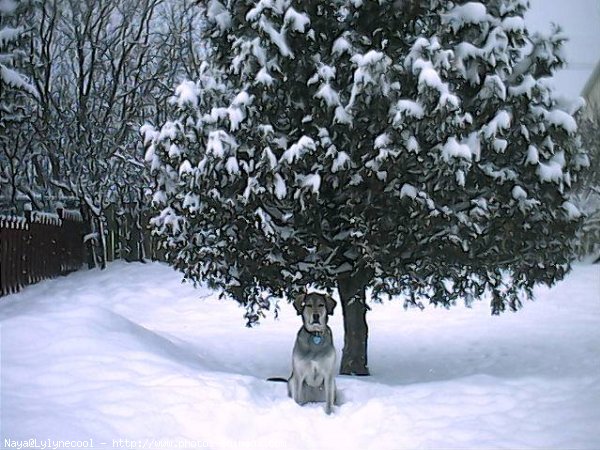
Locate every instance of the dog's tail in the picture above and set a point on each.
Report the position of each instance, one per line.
(278, 379)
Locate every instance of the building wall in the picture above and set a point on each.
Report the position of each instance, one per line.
(591, 91)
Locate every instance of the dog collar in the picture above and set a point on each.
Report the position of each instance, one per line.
(316, 337)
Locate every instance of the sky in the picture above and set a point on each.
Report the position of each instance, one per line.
(580, 20)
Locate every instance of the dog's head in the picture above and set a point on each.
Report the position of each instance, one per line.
(315, 309)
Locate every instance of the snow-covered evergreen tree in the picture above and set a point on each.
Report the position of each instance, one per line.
(16, 93)
(409, 146)
(13, 31)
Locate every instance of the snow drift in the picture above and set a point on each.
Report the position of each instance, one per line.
(130, 357)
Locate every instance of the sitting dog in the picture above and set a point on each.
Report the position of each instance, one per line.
(313, 357)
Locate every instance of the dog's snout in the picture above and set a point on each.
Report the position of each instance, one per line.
(316, 318)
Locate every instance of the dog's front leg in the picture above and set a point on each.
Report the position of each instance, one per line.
(329, 394)
(296, 389)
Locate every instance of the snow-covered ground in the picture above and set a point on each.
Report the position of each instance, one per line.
(130, 357)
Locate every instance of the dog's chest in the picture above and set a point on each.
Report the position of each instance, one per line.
(310, 350)
(315, 355)
(314, 363)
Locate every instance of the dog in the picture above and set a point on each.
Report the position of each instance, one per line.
(313, 357)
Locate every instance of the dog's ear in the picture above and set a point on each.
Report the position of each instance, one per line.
(299, 302)
(329, 304)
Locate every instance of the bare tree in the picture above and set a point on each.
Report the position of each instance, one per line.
(102, 67)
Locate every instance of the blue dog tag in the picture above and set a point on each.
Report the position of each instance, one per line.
(317, 339)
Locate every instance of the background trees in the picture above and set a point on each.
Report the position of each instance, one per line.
(99, 70)
(406, 147)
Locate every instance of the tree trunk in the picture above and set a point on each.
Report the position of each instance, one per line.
(89, 228)
(102, 242)
(356, 331)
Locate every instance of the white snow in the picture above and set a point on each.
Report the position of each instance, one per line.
(132, 354)
(460, 177)
(159, 198)
(242, 99)
(265, 220)
(412, 145)
(572, 210)
(174, 151)
(277, 37)
(311, 181)
(9, 34)
(370, 58)
(562, 119)
(232, 165)
(474, 144)
(341, 160)
(340, 45)
(259, 51)
(469, 13)
(218, 13)
(519, 193)
(149, 133)
(185, 167)
(187, 94)
(191, 202)
(501, 121)
(328, 94)
(382, 141)
(296, 21)
(270, 157)
(342, 116)
(513, 23)
(428, 75)
(557, 118)
(408, 190)
(299, 149)
(215, 143)
(533, 155)
(16, 80)
(326, 72)
(256, 11)
(236, 115)
(263, 77)
(525, 88)
(500, 145)
(407, 108)
(279, 186)
(455, 149)
(552, 171)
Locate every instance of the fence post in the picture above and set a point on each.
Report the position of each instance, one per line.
(28, 257)
(3, 258)
(62, 253)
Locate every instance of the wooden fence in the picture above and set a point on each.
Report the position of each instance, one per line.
(39, 246)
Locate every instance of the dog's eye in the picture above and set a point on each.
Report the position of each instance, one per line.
(309, 306)
(320, 306)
